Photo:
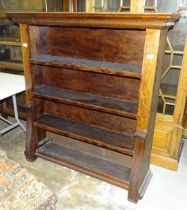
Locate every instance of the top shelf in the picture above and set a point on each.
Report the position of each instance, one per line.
(88, 65)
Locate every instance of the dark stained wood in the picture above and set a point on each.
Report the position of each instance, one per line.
(91, 82)
(34, 135)
(93, 79)
(91, 149)
(89, 101)
(37, 78)
(91, 117)
(34, 33)
(31, 143)
(93, 135)
(78, 43)
(88, 65)
(105, 170)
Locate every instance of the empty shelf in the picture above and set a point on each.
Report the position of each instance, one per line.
(88, 65)
(89, 101)
(105, 138)
(92, 165)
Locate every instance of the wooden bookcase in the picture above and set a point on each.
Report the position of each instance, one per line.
(92, 84)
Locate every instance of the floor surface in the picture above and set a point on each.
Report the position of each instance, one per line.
(166, 191)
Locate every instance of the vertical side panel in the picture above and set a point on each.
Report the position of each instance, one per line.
(151, 73)
(24, 30)
(148, 100)
(33, 135)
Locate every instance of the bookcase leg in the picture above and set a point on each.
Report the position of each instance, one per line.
(31, 136)
(133, 195)
(134, 186)
(139, 171)
(136, 192)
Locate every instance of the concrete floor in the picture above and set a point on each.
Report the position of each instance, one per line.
(167, 189)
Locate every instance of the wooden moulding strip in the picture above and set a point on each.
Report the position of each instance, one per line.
(99, 20)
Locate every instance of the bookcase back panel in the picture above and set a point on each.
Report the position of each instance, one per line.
(115, 45)
(91, 117)
(37, 76)
(90, 82)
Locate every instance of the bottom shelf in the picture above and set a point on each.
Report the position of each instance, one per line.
(95, 166)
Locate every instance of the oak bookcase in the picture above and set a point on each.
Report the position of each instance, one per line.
(92, 83)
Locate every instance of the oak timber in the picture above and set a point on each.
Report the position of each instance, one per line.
(91, 134)
(82, 84)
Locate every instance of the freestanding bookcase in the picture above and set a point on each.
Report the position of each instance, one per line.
(92, 90)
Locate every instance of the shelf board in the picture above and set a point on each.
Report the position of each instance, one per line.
(10, 41)
(88, 65)
(86, 163)
(11, 64)
(105, 138)
(90, 101)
